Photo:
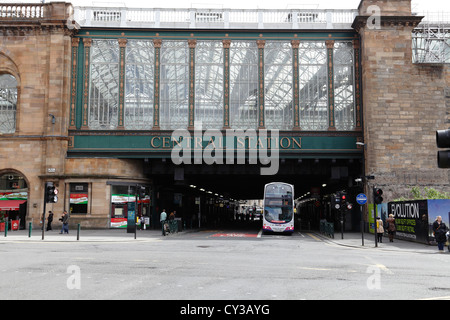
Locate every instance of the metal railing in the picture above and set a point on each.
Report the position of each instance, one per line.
(327, 228)
(214, 18)
(431, 39)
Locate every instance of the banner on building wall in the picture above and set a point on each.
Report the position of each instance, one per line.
(13, 195)
(411, 219)
(438, 208)
(414, 219)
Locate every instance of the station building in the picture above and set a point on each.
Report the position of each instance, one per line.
(91, 97)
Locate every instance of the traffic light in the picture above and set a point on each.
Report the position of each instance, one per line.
(50, 193)
(343, 198)
(141, 192)
(443, 141)
(377, 196)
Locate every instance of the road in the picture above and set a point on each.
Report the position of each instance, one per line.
(218, 265)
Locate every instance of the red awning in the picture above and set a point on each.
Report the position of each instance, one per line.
(10, 205)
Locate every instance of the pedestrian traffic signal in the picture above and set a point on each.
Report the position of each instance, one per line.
(377, 196)
(50, 193)
(443, 141)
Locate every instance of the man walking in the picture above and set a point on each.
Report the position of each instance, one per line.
(65, 221)
(162, 219)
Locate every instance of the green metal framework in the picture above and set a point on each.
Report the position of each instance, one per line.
(129, 86)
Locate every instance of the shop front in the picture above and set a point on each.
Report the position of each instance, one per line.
(13, 201)
(124, 198)
(13, 212)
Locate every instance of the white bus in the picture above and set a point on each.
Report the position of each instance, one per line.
(278, 207)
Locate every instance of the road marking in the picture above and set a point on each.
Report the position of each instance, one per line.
(235, 235)
(379, 265)
(316, 269)
(384, 268)
(314, 237)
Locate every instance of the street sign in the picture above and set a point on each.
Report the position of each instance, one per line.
(361, 199)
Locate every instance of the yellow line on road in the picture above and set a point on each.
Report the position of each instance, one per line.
(314, 237)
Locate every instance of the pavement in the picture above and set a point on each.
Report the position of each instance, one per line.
(85, 235)
(355, 240)
(349, 239)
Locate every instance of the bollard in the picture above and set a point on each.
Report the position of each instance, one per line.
(29, 230)
(78, 232)
(6, 228)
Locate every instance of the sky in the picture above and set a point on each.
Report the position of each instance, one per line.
(417, 5)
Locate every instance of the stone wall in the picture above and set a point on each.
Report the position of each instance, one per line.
(404, 103)
(36, 50)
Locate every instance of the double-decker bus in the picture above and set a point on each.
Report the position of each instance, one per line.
(278, 207)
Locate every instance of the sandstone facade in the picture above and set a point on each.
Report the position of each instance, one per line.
(404, 103)
(38, 53)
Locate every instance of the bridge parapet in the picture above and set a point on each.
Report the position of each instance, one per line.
(195, 18)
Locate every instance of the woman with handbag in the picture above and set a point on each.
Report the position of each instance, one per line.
(380, 230)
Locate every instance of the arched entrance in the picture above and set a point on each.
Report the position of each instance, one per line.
(13, 199)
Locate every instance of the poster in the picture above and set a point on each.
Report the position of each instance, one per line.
(411, 219)
(78, 198)
(382, 211)
(118, 222)
(438, 208)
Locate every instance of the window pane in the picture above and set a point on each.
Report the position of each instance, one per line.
(209, 84)
(8, 103)
(313, 86)
(174, 85)
(343, 63)
(278, 82)
(104, 86)
(243, 85)
(139, 80)
(79, 197)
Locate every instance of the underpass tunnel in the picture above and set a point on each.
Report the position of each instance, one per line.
(207, 196)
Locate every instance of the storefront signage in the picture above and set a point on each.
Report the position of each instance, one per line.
(13, 195)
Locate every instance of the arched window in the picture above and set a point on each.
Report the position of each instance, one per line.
(8, 103)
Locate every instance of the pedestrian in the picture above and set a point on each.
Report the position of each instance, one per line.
(162, 219)
(439, 230)
(380, 230)
(49, 220)
(65, 222)
(142, 223)
(390, 226)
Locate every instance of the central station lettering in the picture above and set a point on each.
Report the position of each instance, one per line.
(166, 142)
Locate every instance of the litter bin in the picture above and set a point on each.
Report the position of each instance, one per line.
(180, 224)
